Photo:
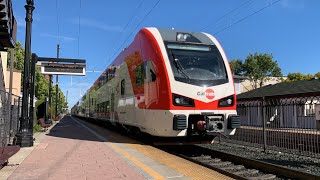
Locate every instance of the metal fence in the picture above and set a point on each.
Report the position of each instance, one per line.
(285, 124)
(9, 121)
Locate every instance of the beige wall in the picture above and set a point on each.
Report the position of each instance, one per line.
(16, 82)
(3, 56)
(246, 85)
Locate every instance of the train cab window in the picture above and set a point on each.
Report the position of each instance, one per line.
(140, 74)
(122, 87)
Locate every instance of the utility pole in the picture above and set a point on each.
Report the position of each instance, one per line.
(25, 134)
(67, 101)
(32, 89)
(48, 118)
(57, 83)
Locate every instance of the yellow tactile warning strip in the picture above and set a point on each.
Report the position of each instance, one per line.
(180, 165)
(145, 168)
(148, 170)
(185, 167)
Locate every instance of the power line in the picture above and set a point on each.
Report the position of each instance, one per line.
(108, 61)
(131, 18)
(246, 17)
(228, 13)
(58, 26)
(135, 28)
(79, 28)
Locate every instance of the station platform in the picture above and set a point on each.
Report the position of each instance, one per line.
(75, 149)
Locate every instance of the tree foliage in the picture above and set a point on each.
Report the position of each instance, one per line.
(299, 76)
(41, 84)
(61, 100)
(18, 57)
(258, 68)
(236, 66)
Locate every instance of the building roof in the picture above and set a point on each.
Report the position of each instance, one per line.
(296, 88)
(235, 76)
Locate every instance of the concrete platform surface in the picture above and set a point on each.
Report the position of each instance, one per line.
(74, 149)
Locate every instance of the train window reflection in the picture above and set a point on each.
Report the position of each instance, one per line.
(139, 75)
(122, 87)
(197, 64)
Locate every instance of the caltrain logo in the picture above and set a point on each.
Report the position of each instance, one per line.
(209, 93)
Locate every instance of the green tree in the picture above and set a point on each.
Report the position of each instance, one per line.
(295, 77)
(41, 84)
(236, 66)
(299, 76)
(259, 68)
(18, 57)
(317, 75)
(62, 104)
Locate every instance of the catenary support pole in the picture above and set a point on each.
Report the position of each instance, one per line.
(57, 83)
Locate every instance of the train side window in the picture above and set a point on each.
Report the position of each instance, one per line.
(153, 76)
(122, 87)
(139, 75)
(150, 75)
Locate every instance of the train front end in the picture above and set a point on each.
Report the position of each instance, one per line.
(201, 88)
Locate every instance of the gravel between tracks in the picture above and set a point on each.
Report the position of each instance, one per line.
(294, 161)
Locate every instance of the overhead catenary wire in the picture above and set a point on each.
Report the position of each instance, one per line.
(128, 37)
(58, 23)
(246, 17)
(227, 14)
(79, 27)
(145, 16)
(122, 30)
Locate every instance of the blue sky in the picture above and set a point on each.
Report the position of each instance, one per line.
(289, 29)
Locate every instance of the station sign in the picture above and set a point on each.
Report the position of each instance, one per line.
(63, 69)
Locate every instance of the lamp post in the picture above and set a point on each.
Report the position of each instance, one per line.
(25, 135)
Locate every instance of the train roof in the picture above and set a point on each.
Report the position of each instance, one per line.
(185, 36)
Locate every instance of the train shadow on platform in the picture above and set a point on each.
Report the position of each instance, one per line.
(73, 128)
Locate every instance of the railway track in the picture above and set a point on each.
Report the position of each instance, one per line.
(235, 166)
(231, 165)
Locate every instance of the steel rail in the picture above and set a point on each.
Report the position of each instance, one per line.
(277, 170)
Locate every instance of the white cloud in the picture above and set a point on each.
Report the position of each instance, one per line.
(20, 21)
(92, 23)
(65, 38)
(292, 4)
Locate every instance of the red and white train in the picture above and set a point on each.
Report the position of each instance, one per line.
(167, 83)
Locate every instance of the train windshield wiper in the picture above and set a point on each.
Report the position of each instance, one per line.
(179, 66)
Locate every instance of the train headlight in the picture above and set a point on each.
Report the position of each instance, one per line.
(182, 36)
(227, 101)
(182, 101)
(177, 101)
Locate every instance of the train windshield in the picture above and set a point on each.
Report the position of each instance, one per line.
(196, 64)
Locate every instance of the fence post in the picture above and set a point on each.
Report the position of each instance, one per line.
(264, 125)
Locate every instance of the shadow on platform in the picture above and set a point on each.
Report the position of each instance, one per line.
(69, 128)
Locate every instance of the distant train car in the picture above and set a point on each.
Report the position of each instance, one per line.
(167, 83)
